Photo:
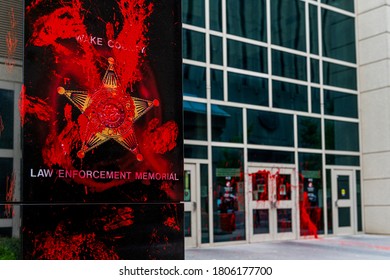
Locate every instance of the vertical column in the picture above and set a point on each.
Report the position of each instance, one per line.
(374, 71)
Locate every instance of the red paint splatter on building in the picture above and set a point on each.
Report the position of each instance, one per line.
(62, 245)
(172, 223)
(123, 217)
(308, 217)
(11, 40)
(9, 195)
(33, 107)
(162, 138)
(2, 127)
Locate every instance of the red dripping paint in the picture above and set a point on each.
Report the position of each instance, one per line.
(33, 107)
(9, 195)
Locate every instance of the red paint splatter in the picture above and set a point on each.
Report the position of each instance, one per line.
(33, 107)
(172, 223)
(9, 196)
(308, 217)
(11, 40)
(162, 138)
(62, 245)
(122, 218)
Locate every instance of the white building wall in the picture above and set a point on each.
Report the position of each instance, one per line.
(374, 61)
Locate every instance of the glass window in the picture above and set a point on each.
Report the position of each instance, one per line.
(261, 221)
(342, 4)
(269, 128)
(247, 56)
(313, 17)
(192, 151)
(193, 12)
(195, 120)
(329, 201)
(341, 136)
(289, 96)
(338, 32)
(6, 119)
(309, 132)
(315, 70)
(216, 15)
(270, 156)
(247, 19)
(216, 84)
(216, 50)
(289, 65)
(284, 218)
(204, 202)
(248, 89)
(311, 194)
(340, 104)
(288, 24)
(316, 100)
(226, 124)
(194, 45)
(339, 75)
(342, 160)
(359, 202)
(229, 195)
(194, 81)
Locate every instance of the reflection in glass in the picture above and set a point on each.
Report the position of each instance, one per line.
(216, 77)
(216, 15)
(342, 4)
(260, 221)
(6, 119)
(343, 160)
(338, 33)
(313, 17)
(229, 194)
(340, 104)
(193, 12)
(339, 75)
(195, 151)
(194, 45)
(344, 214)
(283, 187)
(343, 187)
(289, 65)
(289, 96)
(247, 19)
(309, 132)
(6, 186)
(284, 217)
(247, 56)
(204, 202)
(187, 224)
(288, 24)
(270, 156)
(260, 186)
(269, 128)
(315, 70)
(195, 120)
(248, 89)
(216, 50)
(194, 81)
(226, 124)
(316, 100)
(341, 136)
(329, 201)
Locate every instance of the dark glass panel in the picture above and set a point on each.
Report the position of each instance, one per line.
(260, 221)
(216, 84)
(311, 190)
(341, 136)
(338, 32)
(6, 119)
(248, 89)
(342, 4)
(315, 71)
(6, 186)
(192, 151)
(315, 100)
(226, 124)
(329, 201)
(344, 216)
(343, 187)
(289, 65)
(195, 120)
(260, 186)
(194, 81)
(270, 156)
(340, 104)
(204, 202)
(187, 224)
(284, 217)
(247, 56)
(269, 128)
(309, 132)
(216, 15)
(359, 202)
(229, 195)
(342, 160)
(339, 75)
(289, 96)
(193, 12)
(283, 187)
(247, 19)
(216, 50)
(194, 45)
(313, 17)
(288, 24)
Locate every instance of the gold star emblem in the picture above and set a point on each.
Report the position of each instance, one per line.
(109, 113)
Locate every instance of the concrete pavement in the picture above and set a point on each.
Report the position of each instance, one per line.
(356, 247)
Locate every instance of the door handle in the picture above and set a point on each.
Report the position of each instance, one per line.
(194, 206)
(336, 203)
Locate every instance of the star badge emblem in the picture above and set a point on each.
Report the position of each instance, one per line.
(109, 113)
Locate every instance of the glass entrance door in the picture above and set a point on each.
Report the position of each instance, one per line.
(343, 193)
(272, 204)
(190, 222)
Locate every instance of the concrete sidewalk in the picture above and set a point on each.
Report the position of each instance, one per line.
(356, 247)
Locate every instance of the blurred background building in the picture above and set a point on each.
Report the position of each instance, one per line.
(286, 118)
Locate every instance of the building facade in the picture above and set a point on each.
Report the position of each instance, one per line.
(285, 118)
